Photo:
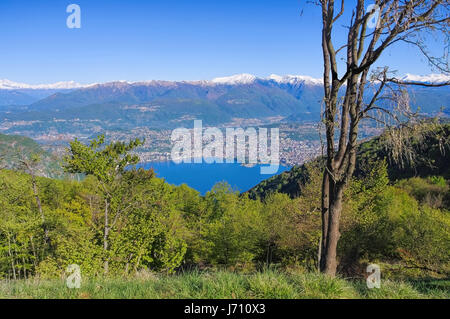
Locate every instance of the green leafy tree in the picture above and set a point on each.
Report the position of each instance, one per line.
(293, 225)
(108, 164)
(235, 227)
(151, 235)
(20, 227)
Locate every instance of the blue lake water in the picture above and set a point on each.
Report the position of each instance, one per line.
(203, 177)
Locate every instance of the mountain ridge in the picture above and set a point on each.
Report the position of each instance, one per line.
(169, 104)
(243, 78)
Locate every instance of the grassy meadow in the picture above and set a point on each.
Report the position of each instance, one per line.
(226, 285)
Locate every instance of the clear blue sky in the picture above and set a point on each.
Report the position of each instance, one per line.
(166, 39)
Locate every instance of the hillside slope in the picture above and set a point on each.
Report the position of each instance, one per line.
(433, 158)
(14, 148)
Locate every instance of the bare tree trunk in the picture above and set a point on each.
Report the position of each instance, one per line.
(36, 195)
(24, 267)
(12, 258)
(33, 249)
(325, 205)
(138, 262)
(16, 257)
(39, 205)
(106, 238)
(330, 261)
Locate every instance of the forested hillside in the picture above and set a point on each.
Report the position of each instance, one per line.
(429, 148)
(18, 152)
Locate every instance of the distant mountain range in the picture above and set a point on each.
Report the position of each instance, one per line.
(15, 93)
(171, 104)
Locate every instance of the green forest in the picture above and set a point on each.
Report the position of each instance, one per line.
(122, 222)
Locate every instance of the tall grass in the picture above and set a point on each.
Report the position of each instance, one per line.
(223, 285)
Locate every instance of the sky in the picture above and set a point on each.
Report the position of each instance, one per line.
(137, 40)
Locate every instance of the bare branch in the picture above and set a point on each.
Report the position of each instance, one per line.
(400, 82)
(340, 13)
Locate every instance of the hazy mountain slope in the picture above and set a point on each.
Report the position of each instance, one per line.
(167, 104)
(14, 148)
(13, 97)
(15, 93)
(430, 100)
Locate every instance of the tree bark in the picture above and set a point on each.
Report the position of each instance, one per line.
(325, 206)
(36, 195)
(329, 264)
(12, 259)
(39, 205)
(106, 238)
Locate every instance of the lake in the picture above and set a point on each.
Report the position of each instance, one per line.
(203, 177)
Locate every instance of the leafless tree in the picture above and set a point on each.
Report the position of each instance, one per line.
(364, 87)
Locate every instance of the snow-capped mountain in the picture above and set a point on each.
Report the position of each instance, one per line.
(246, 78)
(164, 103)
(10, 85)
(431, 78)
(218, 100)
(292, 79)
(236, 79)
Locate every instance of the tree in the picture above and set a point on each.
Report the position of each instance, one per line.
(108, 164)
(152, 234)
(234, 229)
(30, 166)
(19, 223)
(398, 21)
(30, 163)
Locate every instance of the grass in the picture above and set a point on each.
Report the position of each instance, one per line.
(222, 284)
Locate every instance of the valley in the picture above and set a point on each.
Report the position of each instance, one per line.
(150, 110)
